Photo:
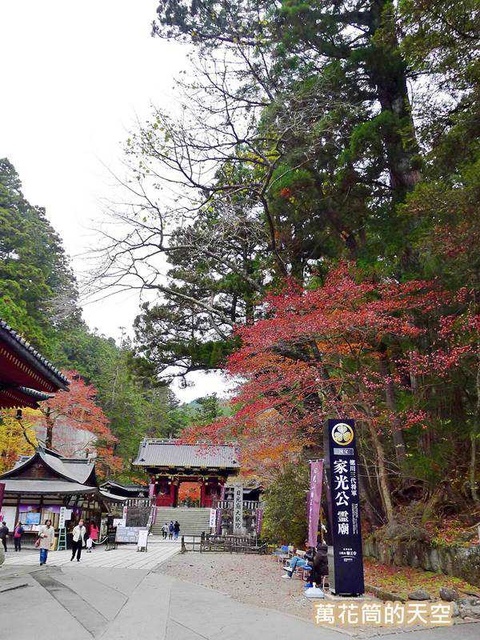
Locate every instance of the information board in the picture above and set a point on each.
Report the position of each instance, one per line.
(142, 539)
(65, 514)
(238, 509)
(127, 534)
(32, 518)
(213, 518)
(119, 522)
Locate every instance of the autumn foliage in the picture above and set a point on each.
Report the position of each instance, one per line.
(16, 439)
(378, 351)
(71, 416)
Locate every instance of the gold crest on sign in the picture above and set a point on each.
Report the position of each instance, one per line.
(342, 433)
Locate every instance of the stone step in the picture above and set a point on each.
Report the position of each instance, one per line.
(193, 521)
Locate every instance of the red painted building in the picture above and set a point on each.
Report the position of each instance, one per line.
(169, 464)
(26, 377)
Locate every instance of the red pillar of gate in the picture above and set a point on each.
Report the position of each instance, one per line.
(174, 493)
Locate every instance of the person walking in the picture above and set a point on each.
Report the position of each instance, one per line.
(165, 531)
(176, 529)
(170, 530)
(17, 536)
(78, 540)
(46, 537)
(94, 532)
(4, 535)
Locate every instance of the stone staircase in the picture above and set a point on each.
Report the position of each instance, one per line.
(193, 521)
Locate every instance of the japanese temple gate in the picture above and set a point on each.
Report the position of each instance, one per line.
(169, 464)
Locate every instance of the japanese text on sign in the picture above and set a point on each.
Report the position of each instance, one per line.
(344, 507)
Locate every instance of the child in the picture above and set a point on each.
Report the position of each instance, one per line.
(89, 545)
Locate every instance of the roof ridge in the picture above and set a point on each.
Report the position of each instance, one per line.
(178, 442)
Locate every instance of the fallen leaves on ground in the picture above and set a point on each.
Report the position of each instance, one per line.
(404, 580)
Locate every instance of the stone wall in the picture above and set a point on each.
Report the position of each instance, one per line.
(461, 562)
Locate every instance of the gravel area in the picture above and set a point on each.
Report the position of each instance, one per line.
(248, 578)
(257, 580)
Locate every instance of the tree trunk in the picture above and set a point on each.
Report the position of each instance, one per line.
(49, 421)
(397, 433)
(388, 72)
(473, 442)
(383, 483)
(371, 506)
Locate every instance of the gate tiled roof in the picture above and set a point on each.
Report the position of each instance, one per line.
(169, 453)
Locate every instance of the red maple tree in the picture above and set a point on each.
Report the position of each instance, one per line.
(70, 416)
(370, 350)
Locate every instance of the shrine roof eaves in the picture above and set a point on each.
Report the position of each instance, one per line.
(73, 470)
(25, 350)
(20, 397)
(42, 487)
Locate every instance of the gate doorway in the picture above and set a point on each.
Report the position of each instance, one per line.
(189, 494)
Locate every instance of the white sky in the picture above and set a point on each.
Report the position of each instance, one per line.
(75, 77)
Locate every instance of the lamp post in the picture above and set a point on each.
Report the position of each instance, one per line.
(19, 418)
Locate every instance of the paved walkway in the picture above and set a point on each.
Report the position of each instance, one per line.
(81, 603)
(107, 597)
(85, 603)
(123, 557)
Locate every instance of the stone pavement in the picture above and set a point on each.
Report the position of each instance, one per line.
(80, 601)
(124, 556)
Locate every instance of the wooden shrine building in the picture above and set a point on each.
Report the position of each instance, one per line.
(170, 463)
(26, 377)
(123, 490)
(39, 486)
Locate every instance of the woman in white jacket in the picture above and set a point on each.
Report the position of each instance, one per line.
(78, 540)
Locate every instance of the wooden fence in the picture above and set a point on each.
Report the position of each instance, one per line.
(225, 544)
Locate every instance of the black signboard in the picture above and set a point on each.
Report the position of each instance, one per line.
(344, 507)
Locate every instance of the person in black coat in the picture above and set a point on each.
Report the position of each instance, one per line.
(320, 565)
(176, 529)
(4, 535)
